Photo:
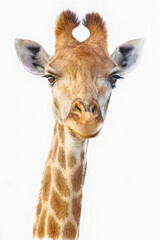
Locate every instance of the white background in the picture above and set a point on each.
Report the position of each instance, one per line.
(122, 188)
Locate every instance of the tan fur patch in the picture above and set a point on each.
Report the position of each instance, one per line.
(61, 132)
(46, 184)
(69, 231)
(84, 174)
(34, 230)
(66, 22)
(59, 205)
(39, 207)
(98, 31)
(55, 129)
(56, 105)
(71, 160)
(55, 150)
(76, 208)
(61, 157)
(77, 179)
(41, 226)
(95, 23)
(50, 154)
(53, 228)
(82, 156)
(61, 183)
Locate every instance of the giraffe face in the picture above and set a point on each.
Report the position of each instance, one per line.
(81, 88)
(81, 74)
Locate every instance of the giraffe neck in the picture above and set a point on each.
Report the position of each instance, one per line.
(59, 207)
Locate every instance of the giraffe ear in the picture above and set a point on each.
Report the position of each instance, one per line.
(31, 55)
(127, 55)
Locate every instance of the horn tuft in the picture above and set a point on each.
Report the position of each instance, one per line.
(94, 22)
(66, 22)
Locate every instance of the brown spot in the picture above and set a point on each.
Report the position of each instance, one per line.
(59, 205)
(82, 156)
(77, 179)
(61, 183)
(46, 183)
(69, 231)
(41, 227)
(53, 150)
(39, 207)
(56, 105)
(34, 230)
(61, 132)
(76, 208)
(53, 228)
(61, 157)
(84, 174)
(108, 99)
(71, 160)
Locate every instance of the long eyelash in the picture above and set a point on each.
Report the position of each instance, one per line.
(114, 77)
(47, 75)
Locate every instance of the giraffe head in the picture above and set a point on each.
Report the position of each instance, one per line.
(81, 75)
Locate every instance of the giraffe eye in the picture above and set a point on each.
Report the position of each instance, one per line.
(51, 79)
(113, 80)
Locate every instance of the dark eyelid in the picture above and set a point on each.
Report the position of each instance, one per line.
(48, 75)
(116, 75)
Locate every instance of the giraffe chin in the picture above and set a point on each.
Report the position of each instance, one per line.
(84, 131)
(82, 136)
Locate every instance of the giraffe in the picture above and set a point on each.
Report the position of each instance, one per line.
(81, 76)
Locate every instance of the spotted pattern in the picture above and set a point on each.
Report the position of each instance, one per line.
(76, 208)
(69, 231)
(39, 207)
(59, 205)
(61, 132)
(82, 156)
(50, 225)
(77, 179)
(53, 228)
(61, 182)
(46, 184)
(71, 160)
(61, 157)
(41, 226)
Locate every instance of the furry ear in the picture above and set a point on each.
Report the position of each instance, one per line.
(127, 55)
(32, 56)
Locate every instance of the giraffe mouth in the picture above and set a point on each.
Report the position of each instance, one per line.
(84, 136)
(88, 127)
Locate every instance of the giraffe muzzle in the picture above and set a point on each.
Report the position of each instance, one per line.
(85, 119)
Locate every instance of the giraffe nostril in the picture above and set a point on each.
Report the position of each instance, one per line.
(94, 108)
(78, 108)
